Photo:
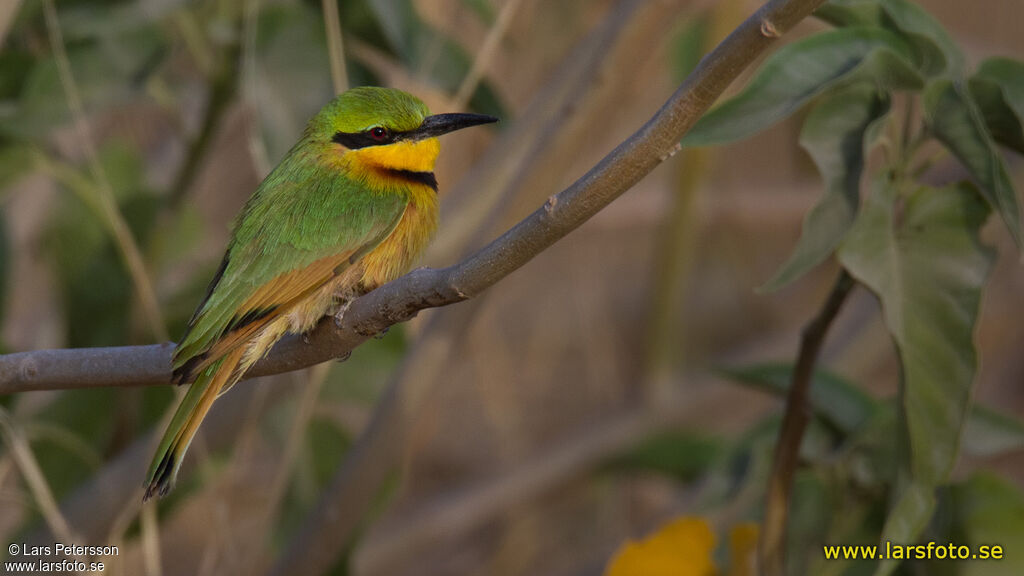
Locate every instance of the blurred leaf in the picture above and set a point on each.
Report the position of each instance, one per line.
(429, 54)
(681, 454)
(67, 439)
(936, 52)
(123, 168)
(990, 433)
(998, 89)
(89, 19)
(15, 162)
(906, 520)
(689, 46)
(798, 72)
(291, 80)
(325, 446)
(918, 250)
(990, 511)
(957, 123)
(873, 454)
(1009, 75)
(846, 407)
(89, 414)
(811, 509)
(835, 134)
(840, 403)
(1002, 123)
(845, 13)
(400, 23)
(94, 284)
(15, 66)
(106, 73)
(482, 8)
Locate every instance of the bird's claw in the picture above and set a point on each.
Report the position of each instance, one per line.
(339, 316)
(380, 335)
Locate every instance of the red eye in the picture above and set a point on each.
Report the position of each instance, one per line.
(378, 133)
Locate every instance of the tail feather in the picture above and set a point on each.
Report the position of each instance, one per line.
(189, 415)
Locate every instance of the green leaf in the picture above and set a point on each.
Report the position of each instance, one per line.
(906, 520)
(847, 408)
(935, 51)
(835, 135)
(917, 248)
(958, 124)
(990, 433)
(846, 13)
(1009, 75)
(938, 52)
(1002, 123)
(798, 72)
(681, 454)
(998, 89)
(990, 511)
(840, 403)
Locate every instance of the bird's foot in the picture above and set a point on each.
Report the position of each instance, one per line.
(339, 316)
(380, 335)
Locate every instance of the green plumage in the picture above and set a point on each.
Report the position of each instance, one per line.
(300, 214)
(335, 197)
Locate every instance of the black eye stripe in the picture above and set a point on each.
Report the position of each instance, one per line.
(356, 140)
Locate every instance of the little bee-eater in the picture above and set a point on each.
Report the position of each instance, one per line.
(350, 207)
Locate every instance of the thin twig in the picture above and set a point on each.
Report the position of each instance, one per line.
(105, 195)
(34, 478)
(485, 54)
(794, 422)
(223, 87)
(335, 47)
(150, 529)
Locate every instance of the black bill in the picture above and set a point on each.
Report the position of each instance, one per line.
(438, 124)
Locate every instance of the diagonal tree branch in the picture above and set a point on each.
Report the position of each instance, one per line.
(427, 288)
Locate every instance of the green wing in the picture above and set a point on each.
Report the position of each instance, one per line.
(297, 232)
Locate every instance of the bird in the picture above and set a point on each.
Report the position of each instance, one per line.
(350, 207)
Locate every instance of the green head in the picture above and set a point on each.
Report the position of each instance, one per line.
(361, 109)
(371, 116)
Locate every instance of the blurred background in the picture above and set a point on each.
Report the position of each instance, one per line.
(582, 401)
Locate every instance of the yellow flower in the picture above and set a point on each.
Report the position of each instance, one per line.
(680, 548)
(684, 547)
